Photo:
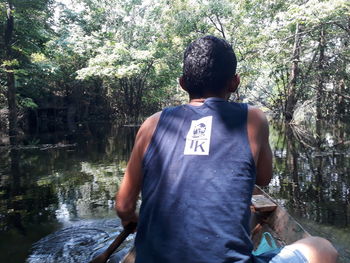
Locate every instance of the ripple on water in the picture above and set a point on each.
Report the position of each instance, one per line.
(79, 243)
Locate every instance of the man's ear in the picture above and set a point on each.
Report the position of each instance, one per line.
(234, 83)
(182, 83)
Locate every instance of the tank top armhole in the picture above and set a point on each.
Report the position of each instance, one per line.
(151, 146)
(251, 157)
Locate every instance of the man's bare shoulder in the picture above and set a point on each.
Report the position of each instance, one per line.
(256, 116)
(150, 123)
(153, 119)
(145, 133)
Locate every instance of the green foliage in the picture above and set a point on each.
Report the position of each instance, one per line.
(30, 33)
(123, 58)
(27, 103)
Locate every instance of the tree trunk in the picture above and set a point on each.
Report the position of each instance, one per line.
(292, 166)
(320, 89)
(319, 103)
(292, 86)
(340, 106)
(11, 88)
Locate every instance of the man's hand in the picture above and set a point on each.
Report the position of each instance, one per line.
(132, 219)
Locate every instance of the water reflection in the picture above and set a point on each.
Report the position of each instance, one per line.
(311, 178)
(78, 242)
(48, 188)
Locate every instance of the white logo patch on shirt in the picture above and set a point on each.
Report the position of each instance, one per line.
(198, 137)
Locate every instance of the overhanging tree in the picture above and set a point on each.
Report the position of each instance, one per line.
(25, 30)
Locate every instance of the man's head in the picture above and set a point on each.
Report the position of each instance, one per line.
(209, 68)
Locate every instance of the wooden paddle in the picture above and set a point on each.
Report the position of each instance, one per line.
(102, 258)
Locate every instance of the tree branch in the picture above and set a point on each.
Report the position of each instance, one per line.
(221, 26)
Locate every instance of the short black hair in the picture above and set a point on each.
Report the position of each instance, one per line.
(209, 62)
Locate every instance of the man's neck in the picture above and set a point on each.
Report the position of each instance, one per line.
(200, 101)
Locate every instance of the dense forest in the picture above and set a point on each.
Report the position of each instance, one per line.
(65, 62)
(78, 76)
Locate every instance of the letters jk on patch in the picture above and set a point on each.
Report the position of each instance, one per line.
(198, 137)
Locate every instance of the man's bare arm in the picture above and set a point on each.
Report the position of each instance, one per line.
(264, 166)
(258, 132)
(130, 187)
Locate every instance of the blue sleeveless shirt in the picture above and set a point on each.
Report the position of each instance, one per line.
(199, 175)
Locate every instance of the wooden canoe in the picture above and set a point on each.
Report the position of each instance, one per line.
(267, 216)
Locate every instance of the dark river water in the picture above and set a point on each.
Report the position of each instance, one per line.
(57, 190)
